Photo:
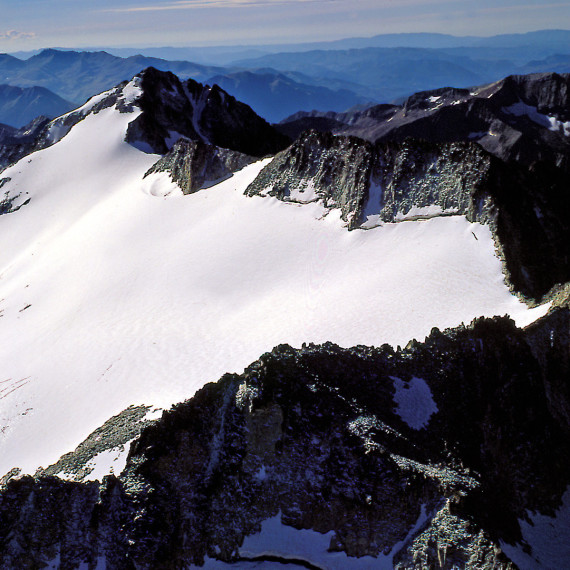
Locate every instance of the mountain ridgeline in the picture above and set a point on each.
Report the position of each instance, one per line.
(520, 118)
(497, 154)
(199, 112)
(393, 181)
(19, 106)
(171, 109)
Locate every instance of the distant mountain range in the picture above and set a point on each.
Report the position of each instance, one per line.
(20, 105)
(274, 95)
(387, 74)
(541, 42)
(277, 81)
(75, 76)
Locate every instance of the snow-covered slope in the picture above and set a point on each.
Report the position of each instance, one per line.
(116, 290)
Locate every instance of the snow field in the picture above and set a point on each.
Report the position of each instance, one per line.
(116, 290)
(548, 538)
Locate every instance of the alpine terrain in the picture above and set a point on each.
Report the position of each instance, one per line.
(339, 342)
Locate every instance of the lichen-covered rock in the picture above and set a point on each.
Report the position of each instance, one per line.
(114, 435)
(320, 166)
(387, 181)
(527, 209)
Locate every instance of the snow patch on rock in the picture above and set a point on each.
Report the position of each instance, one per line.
(550, 122)
(306, 546)
(415, 401)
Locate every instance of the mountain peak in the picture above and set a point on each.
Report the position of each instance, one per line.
(172, 109)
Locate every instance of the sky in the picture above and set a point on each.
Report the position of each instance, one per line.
(34, 24)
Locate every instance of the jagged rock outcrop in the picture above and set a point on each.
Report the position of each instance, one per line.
(319, 166)
(386, 181)
(426, 457)
(111, 438)
(171, 109)
(195, 164)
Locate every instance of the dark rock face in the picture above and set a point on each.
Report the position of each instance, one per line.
(322, 436)
(171, 108)
(317, 166)
(195, 164)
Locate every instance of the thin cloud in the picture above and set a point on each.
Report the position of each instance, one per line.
(524, 7)
(15, 35)
(194, 4)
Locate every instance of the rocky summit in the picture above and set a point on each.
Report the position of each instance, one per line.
(170, 109)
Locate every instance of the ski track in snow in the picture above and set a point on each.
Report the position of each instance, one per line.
(136, 294)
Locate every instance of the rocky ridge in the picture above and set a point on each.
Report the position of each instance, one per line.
(325, 437)
(172, 109)
(387, 181)
(522, 118)
(17, 143)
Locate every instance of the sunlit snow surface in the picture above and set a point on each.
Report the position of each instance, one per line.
(116, 290)
(548, 121)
